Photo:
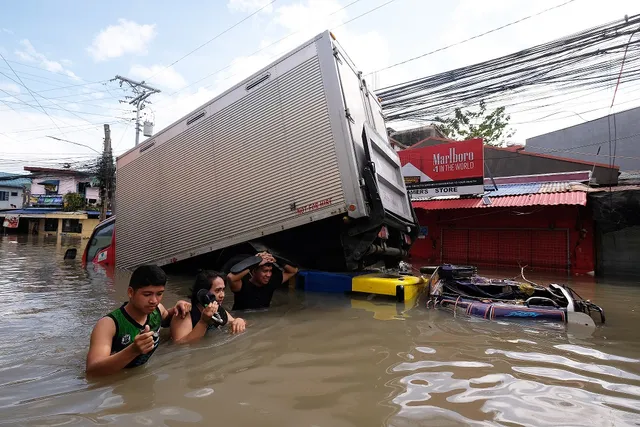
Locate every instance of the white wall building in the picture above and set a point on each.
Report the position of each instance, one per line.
(12, 191)
(53, 184)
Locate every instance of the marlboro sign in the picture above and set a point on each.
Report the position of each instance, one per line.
(448, 169)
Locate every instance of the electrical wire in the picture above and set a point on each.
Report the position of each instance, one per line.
(32, 93)
(229, 65)
(29, 90)
(469, 39)
(580, 61)
(366, 13)
(214, 38)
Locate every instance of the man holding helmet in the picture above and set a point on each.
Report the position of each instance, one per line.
(253, 280)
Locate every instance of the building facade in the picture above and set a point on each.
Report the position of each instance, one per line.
(613, 139)
(544, 226)
(534, 210)
(12, 191)
(50, 186)
(49, 222)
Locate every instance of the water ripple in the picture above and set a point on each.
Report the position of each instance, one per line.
(583, 351)
(565, 361)
(311, 359)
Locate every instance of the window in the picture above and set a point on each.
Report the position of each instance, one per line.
(71, 226)
(51, 224)
(4, 196)
(100, 240)
(14, 194)
(82, 187)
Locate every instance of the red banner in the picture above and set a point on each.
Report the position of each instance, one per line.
(11, 221)
(444, 169)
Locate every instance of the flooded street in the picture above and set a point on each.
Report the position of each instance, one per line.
(311, 360)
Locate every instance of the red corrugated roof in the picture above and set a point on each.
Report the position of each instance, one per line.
(539, 199)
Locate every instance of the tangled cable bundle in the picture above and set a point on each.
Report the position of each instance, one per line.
(588, 60)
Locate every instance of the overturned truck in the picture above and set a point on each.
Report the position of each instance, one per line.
(294, 159)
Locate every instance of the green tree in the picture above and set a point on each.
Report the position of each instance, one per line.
(468, 124)
(74, 202)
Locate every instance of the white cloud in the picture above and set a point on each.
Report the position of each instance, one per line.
(10, 87)
(249, 6)
(302, 21)
(369, 50)
(168, 78)
(8, 31)
(127, 37)
(311, 16)
(30, 54)
(88, 93)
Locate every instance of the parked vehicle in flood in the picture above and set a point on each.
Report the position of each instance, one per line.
(460, 290)
(102, 244)
(295, 158)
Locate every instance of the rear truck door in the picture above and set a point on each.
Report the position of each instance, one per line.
(387, 173)
(370, 141)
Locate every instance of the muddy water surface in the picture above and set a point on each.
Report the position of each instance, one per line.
(311, 360)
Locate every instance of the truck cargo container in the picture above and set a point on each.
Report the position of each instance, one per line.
(294, 158)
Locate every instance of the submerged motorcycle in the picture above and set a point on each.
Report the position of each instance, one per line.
(459, 289)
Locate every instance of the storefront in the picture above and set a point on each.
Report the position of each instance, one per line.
(544, 231)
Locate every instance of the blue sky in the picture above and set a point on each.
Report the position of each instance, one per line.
(65, 52)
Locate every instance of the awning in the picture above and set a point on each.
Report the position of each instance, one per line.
(540, 199)
(55, 182)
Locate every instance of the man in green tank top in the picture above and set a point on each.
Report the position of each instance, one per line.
(128, 336)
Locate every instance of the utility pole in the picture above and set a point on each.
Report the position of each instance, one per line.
(106, 173)
(142, 92)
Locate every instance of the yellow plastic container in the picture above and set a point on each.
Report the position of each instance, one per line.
(404, 288)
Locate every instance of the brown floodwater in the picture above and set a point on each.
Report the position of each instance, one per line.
(311, 360)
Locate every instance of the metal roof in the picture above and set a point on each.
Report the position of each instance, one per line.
(529, 188)
(541, 199)
(31, 211)
(44, 211)
(15, 182)
(512, 195)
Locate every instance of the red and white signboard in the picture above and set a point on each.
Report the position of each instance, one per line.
(447, 169)
(11, 221)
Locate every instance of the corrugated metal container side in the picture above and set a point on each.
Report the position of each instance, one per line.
(164, 211)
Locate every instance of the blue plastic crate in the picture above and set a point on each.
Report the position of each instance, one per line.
(320, 281)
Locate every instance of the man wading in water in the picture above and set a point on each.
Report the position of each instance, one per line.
(253, 282)
(128, 336)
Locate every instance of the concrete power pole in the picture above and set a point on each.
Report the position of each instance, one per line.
(142, 92)
(107, 174)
